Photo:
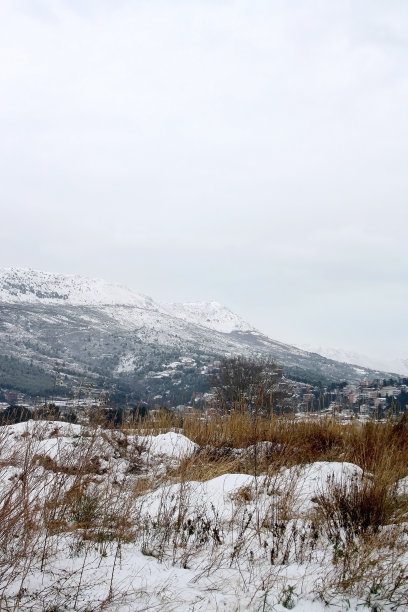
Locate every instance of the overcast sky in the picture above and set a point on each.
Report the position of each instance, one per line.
(251, 152)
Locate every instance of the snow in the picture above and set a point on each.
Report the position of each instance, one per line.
(30, 286)
(402, 486)
(383, 364)
(169, 444)
(316, 479)
(194, 546)
(221, 495)
(25, 285)
(211, 315)
(212, 498)
(126, 363)
(43, 427)
(138, 325)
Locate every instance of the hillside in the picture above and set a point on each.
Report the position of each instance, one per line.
(110, 335)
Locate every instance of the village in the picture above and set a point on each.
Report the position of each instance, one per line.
(378, 399)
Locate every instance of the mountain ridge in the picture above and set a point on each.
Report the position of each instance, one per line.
(114, 335)
(396, 364)
(27, 285)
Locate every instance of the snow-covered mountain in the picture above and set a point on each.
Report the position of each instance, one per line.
(31, 286)
(212, 315)
(105, 332)
(35, 287)
(400, 366)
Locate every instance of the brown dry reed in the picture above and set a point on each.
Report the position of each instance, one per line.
(46, 501)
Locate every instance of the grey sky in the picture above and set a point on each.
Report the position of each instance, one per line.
(253, 152)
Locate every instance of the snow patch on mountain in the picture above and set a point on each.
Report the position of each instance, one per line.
(31, 286)
(211, 315)
(396, 365)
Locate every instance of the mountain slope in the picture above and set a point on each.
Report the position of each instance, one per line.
(211, 315)
(34, 287)
(106, 333)
(367, 361)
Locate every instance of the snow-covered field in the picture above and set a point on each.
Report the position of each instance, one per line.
(96, 519)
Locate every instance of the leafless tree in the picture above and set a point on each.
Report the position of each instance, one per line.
(243, 384)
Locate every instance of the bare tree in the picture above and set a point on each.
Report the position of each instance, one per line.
(256, 386)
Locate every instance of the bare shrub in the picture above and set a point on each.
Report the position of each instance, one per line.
(364, 520)
(357, 506)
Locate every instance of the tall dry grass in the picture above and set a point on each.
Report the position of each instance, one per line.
(86, 499)
(380, 448)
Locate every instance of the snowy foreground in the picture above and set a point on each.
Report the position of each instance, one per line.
(94, 520)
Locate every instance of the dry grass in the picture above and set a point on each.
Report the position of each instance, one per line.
(378, 448)
(363, 520)
(206, 464)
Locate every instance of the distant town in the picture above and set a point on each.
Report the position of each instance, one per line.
(378, 399)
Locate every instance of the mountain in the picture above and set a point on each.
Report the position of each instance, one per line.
(69, 330)
(372, 362)
(19, 286)
(211, 315)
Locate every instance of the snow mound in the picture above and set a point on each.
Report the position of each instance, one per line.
(40, 429)
(170, 444)
(213, 497)
(316, 479)
(228, 494)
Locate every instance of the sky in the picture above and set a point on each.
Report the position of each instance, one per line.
(253, 152)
